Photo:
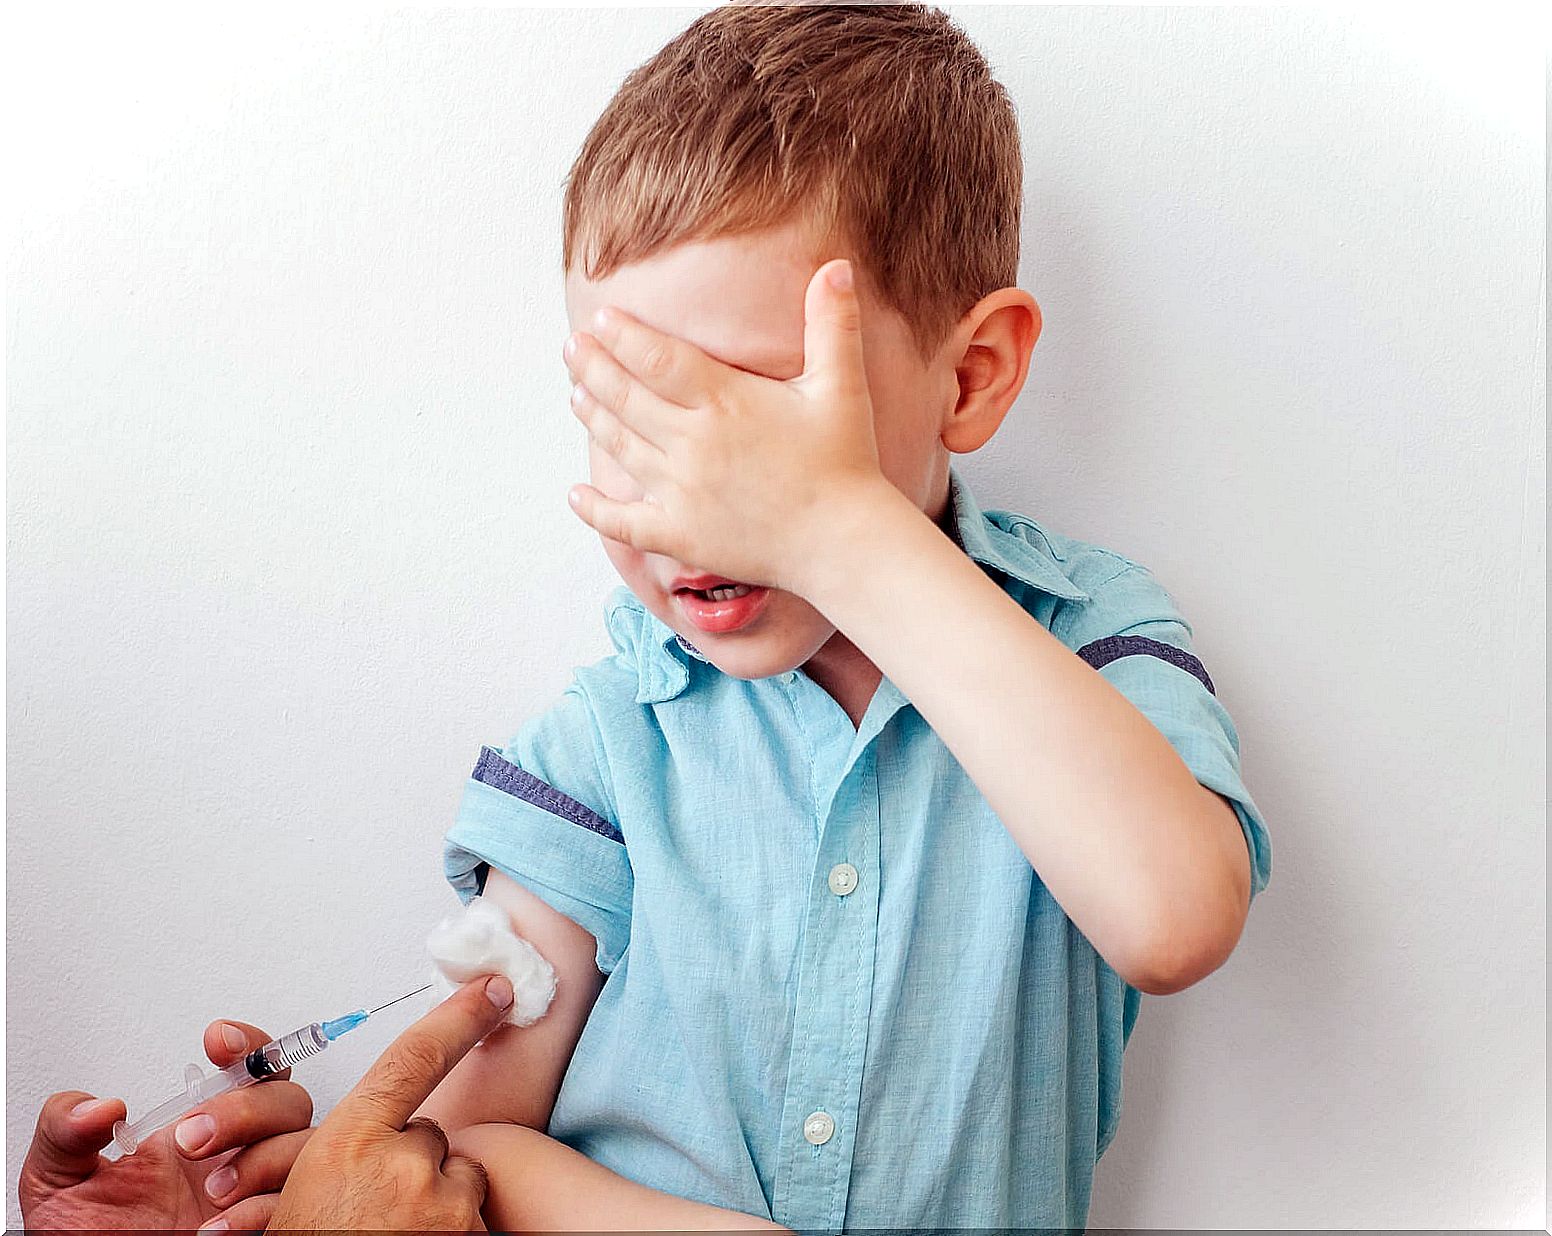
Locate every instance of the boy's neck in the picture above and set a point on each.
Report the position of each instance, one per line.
(846, 674)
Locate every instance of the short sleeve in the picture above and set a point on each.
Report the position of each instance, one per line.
(1131, 632)
(538, 809)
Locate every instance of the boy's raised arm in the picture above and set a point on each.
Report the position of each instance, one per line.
(515, 1074)
(1149, 864)
(781, 483)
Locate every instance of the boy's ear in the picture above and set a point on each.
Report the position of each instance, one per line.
(999, 333)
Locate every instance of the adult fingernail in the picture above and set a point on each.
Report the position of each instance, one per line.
(194, 1133)
(840, 277)
(219, 1183)
(217, 1225)
(499, 991)
(85, 1108)
(234, 1038)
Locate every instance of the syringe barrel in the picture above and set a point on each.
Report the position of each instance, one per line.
(280, 1054)
(274, 1057)
(198, 1086)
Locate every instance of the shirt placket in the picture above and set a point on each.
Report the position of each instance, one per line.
(835, 977)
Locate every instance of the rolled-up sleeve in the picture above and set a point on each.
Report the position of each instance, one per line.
(539, 809)
(1132, 633)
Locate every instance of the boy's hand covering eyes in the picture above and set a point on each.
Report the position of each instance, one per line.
(744, 476)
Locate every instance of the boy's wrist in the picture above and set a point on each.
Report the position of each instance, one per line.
(853, 536)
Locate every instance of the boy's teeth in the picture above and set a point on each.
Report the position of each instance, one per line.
(728, 593)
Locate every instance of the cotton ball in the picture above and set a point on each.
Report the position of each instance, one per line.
(477, 939)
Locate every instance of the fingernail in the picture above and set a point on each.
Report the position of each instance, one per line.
(217, 1225)
(219, 1183)
(840, 277)
(84, 1108)
(499, 991)
(194, 1133)
(234, 1038)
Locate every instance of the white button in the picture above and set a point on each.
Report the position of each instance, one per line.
(843, 878)
(818, 1128)
(789, 677)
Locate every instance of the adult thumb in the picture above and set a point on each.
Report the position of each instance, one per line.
(832, 328)
(72, 1128)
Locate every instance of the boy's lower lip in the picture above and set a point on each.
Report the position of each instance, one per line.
(721, 616)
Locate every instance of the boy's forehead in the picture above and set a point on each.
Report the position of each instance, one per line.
(740, 298)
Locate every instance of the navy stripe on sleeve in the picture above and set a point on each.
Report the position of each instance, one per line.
(496, 770)
(1103, 651)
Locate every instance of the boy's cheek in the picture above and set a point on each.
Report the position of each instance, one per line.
(627, 561)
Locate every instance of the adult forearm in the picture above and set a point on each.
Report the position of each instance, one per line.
(538, 1184)
(1138, 854)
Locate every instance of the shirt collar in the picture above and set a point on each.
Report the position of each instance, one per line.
(990, 539)
(664, 657)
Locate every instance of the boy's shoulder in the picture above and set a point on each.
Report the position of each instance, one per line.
(1113, 593)
(1085, 566)
(1075, 588)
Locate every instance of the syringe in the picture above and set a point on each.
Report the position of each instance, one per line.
(274, 1057)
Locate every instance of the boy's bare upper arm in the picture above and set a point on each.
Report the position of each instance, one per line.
(515, 1074)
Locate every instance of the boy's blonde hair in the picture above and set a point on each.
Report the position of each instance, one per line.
(878, 126)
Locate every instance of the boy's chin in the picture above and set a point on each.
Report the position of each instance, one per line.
(746, 662)
(785, 638)
(757, 656)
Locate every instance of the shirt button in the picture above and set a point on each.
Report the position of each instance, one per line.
(789, 677)
(818, 1128)
(843, 878)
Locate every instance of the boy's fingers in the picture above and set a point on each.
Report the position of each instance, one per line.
(615, 437)
(832, 331)
(669, 367)
(621, 392)
(71, 1129)
(402, 1078)
(626, 522)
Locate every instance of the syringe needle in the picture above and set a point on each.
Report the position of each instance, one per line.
(396, 999)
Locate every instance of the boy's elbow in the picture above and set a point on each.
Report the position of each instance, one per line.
(1189, 953)
(1191, 945)
(1167, 978)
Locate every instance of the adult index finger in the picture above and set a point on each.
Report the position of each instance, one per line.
(402, 1078)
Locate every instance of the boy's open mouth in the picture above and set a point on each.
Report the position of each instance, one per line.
(726, 593)
(720, 605)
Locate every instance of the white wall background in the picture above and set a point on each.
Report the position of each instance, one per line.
(288, 447)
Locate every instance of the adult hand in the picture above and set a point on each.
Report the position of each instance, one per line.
(180, 1176)
(369, 1164)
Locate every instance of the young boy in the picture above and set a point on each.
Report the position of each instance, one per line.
(855, 857)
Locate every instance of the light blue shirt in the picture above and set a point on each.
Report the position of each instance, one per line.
(838, 994)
